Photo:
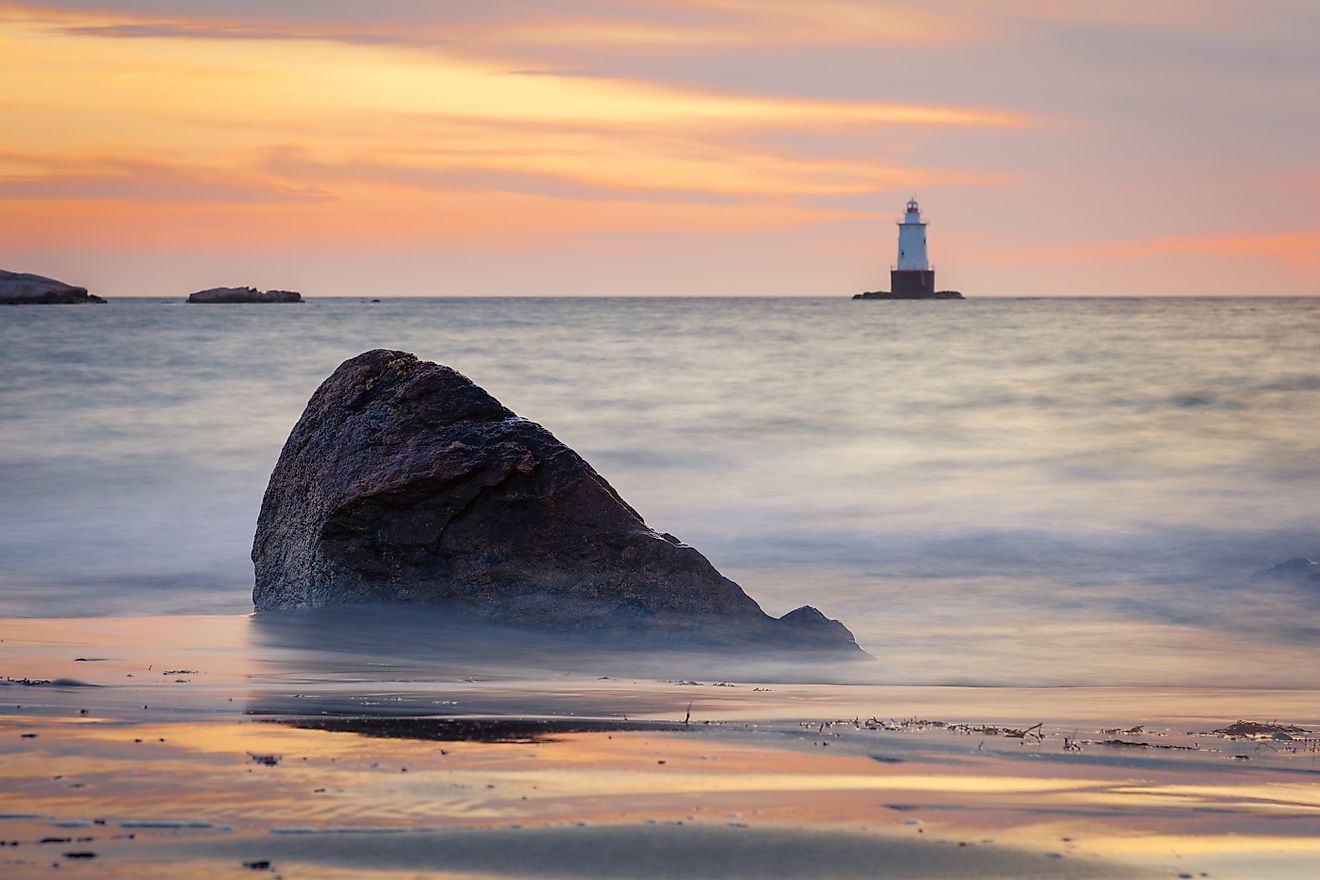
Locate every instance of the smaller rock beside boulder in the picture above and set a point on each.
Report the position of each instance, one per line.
(22, 288)
(244, 295)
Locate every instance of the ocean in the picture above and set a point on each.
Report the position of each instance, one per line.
(1046, 492)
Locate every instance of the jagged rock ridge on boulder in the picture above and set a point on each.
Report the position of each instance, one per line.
(22, 288)
(405, 482)
(244, 295)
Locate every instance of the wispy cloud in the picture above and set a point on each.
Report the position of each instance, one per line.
(526, 23)
(176, 31)
(465, 178)
(363, 113)
(117, 179)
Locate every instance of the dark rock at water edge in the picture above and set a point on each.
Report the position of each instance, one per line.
(22, 288)
(244, 295)
(885, 294)
(404, 482)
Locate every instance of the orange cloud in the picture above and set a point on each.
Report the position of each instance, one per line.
(150, 112)
(746, 23)
(639, 24)
(38, 178)
(379, 221)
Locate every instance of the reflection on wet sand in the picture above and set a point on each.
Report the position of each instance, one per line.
(204, 791)
(485, 755)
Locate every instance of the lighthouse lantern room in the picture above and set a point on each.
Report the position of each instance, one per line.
(912, 275)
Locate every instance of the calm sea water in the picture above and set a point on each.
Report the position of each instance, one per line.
(990, 491)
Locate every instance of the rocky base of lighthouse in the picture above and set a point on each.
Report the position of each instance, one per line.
(885, 294)
(911, 284)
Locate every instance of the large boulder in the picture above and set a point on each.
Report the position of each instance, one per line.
(244, 295)
(404, 482)
(22, 288)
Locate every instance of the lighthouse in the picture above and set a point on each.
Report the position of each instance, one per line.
(912, 274)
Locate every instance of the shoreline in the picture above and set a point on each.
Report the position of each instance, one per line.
(203, 795)
(212, 662)
(214, 751)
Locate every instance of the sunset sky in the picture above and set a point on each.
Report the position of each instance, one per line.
(693, 147)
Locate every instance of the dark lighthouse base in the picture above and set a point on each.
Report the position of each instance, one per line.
(911, 284)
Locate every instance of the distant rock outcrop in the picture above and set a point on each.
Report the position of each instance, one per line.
(21, 288)
(405, 482)
(244, 295)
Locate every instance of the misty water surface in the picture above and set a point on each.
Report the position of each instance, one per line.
(990, 491)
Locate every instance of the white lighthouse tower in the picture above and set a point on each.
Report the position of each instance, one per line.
(912, 276)
(912, 239)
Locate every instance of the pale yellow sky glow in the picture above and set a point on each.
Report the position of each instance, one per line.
(713, 146)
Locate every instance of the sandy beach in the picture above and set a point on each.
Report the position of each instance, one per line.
(189, 746)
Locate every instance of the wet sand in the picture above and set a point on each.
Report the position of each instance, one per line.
(189, 746)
